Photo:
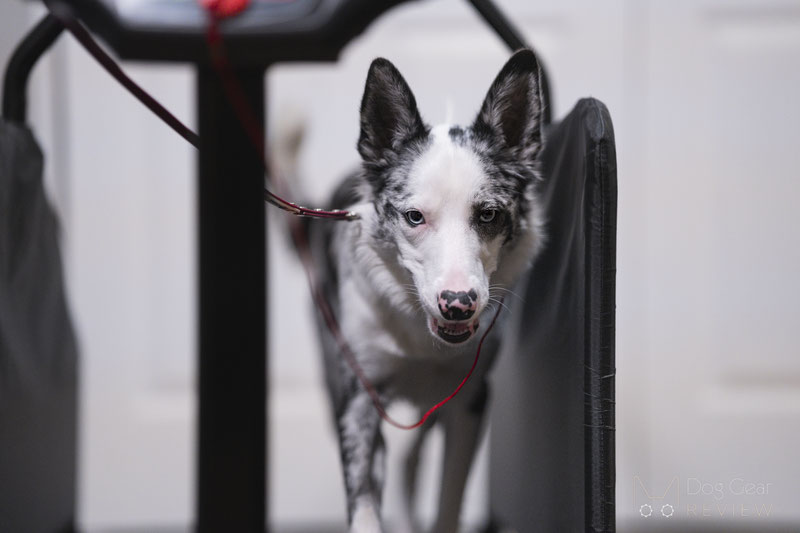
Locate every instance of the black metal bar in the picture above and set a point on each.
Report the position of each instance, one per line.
(231, 486)
(513, 38)
(27, 53)
(501, 25)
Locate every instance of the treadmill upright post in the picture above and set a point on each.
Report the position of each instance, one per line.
(231, 463)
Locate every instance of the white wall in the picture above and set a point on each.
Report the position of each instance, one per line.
(703, 98)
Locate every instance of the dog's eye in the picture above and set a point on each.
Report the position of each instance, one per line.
(487, 215)
(414, 217)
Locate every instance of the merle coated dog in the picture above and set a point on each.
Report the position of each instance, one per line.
(449, 220)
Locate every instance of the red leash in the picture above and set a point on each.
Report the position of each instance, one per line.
(218, 9)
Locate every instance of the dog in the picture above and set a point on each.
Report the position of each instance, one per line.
(448, 222)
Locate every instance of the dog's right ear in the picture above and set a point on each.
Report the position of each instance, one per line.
(389, 115)
(512, 110)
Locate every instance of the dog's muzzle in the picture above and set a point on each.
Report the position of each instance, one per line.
(456, 308)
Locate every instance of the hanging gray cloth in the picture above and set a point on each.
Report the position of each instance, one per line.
(38, 356)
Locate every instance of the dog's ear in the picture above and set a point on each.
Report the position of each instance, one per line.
(389, 115)
(512, 109)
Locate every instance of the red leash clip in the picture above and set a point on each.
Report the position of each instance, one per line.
(224, 8)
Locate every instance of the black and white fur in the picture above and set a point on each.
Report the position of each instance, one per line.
(448, 222)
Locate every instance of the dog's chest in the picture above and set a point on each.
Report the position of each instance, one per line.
(407, 363)
(426, 382)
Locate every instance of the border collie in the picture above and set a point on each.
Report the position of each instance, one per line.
(448, 221)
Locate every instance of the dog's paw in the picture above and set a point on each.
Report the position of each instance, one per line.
(365, 520)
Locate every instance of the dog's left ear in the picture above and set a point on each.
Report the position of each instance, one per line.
(389, 115)
(512, 109)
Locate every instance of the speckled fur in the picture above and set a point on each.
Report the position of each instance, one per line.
(382, 274)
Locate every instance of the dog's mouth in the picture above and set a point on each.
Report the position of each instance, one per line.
(453, 332)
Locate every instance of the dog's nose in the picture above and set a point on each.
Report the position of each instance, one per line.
(458, 305)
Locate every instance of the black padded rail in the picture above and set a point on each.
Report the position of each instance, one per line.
(552, 440)
(601, 260)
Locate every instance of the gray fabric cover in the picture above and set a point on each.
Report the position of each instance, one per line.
(38, 357)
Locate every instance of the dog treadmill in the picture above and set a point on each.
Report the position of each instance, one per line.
(231, 469)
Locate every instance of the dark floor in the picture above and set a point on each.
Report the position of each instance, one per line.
(632, 526)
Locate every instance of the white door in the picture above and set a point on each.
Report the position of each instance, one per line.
(709, 384)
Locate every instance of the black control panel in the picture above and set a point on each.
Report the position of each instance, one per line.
(267, 32)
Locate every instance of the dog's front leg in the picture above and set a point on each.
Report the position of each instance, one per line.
(363, 458)
(407, 522)
(463, 423)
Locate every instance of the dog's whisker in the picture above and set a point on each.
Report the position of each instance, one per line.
(507, 291)
(502, 288)
(500, 302)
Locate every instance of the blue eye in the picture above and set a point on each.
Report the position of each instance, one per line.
(414, 217)
(487, 215)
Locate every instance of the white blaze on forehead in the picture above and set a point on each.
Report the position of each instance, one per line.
(446, 177)
(443, 184)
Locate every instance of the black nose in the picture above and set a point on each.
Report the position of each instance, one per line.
(458, 305)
